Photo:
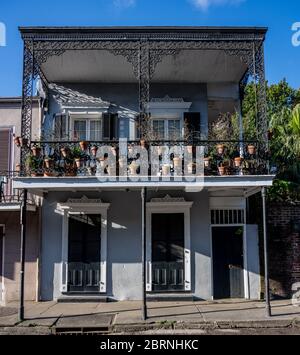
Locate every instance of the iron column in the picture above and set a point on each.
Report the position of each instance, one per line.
(22, 258)
(144, 306)
(265, 232)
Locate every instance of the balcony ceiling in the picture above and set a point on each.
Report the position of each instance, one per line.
(194, 66)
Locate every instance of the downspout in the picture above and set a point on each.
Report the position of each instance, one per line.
(267, 281)
(144, 295)
(22, 252)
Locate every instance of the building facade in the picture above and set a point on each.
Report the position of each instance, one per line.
(141, 177)
(10, 205)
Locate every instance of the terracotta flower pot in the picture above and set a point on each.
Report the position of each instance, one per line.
(94, 150)
(177, 162)
(48, 163)
(238, 162)
(48, 174)
(220, 149)
(189, 149)
(83, 145)
(17, 141)
(122, 162)
(133, 168)
(103, 163)
(78, 162)
(36, 151)
(166, 170)
(207, 162)
(190, 168)
(130, 150)
(64, 151)
(251, 149)
(114, 151)
(222, 170)
(143, 143)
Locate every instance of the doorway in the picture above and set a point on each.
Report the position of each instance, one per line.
(84, 253)
(228, 262)
(168, 272)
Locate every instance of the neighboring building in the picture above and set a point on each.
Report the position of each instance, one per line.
(10, 202)
(167, 85)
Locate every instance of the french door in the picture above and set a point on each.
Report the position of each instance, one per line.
(84, 253)
(168, 272)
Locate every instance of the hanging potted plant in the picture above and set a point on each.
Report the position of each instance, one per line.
(17, 141)
(83, 145)
(18, 168)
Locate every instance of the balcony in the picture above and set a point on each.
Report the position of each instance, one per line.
(159, 159)
(11, 199)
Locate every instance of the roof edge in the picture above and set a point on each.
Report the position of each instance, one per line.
(142, 29)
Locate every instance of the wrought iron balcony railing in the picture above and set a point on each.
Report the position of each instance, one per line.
(8, 195)
(119, 158)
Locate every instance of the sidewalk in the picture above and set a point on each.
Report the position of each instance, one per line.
(126, 316)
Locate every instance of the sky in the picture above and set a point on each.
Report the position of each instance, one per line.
(282, 57)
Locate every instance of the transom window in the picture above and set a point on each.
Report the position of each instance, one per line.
(167, 128)
(87, 129)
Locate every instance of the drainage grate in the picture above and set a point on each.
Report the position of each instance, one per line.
(81, 331)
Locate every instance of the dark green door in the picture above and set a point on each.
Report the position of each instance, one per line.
(228, 261)
(84, 253)
(168, 252)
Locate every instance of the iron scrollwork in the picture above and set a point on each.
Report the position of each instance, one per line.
(144, 51)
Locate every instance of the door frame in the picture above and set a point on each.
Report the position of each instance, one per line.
(245, 261)
(169, 205)
(86, 206)
(2, 287)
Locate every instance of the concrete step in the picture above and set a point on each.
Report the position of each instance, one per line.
(83, 299)
(170, 297)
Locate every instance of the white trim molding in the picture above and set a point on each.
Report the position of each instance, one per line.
(89, 206)
(169, 204)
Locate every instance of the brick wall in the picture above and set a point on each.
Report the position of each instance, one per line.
(284, 248)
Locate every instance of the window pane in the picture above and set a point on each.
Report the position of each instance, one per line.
(174, 129)
(159, 129)
(95, 130)
(80, 130)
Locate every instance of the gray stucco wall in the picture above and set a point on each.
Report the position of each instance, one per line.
(124, 268)
(124, 243)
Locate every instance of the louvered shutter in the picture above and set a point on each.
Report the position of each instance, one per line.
(5, 156)
(61, 127)
(5, 148)
(110, 126)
